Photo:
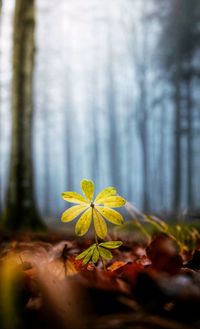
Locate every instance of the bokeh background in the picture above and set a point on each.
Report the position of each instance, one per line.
(116, 99)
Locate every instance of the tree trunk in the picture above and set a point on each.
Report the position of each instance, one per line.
(21, 212)
(113, 145)
(111, 115)
(145, 160)
(46, 157)
(143, 133)
(161, 162)
(189, 145)
(0, 124)
(95, 134)
(68, 119)
(130, 148)
(177, 148)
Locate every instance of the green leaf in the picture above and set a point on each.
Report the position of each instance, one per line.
(83, 224)
(88, 257)
(100, 225)
(87, 187)
(107, 192)
(95, 256)
(106, 254)
(72, 213)
(85, 252)
(74, 197)
(111, 215)
(114, 201)
(111, 244)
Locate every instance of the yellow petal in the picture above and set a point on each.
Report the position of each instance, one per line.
(107, 192)
(87, 187)
(83, 224)
(100, 225)
(74, 198)
(111, 215)
(113, 201)
(72, 213)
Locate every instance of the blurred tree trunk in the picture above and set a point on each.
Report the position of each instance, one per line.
(177, 145)
(68, 119)
(161, 158)
(130, 149)
(144, 138)
(189, 143)
(111, 115)
(95, 131)
(46, 157)
(0, 124)
(113, 145)
(143, 115)
(21, 212)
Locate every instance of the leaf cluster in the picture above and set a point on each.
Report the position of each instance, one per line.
(96, 251)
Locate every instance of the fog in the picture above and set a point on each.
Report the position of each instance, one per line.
(104, 105)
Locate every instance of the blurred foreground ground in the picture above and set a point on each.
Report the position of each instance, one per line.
(148, 284)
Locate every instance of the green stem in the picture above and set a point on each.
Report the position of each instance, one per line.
(96, 241)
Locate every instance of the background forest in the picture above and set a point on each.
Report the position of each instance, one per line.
(105, 90)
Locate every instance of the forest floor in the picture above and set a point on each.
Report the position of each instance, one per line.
(146, 284)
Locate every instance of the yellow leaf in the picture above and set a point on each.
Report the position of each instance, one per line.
(113, 201)
(83, 224)
(74, 198)
(87, 187)
(87, 257)
(85, 252)
(72, 213)
(107, 192)
(111, 244)
(100, 225)
(95, 256)
(111, 215)
(106, 254)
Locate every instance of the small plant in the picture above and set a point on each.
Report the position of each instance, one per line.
(94, 212)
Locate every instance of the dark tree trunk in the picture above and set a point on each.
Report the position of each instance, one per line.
(21, 211)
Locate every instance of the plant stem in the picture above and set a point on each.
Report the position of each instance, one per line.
(96, 241)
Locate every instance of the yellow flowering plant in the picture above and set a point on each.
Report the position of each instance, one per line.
(96, 212)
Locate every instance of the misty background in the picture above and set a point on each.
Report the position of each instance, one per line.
(116, 99)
